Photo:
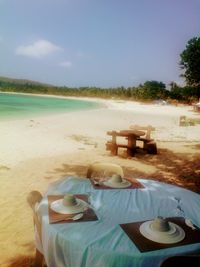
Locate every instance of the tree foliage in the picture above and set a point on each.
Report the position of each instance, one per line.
(190, 62)
(149, 91)
(155, 89)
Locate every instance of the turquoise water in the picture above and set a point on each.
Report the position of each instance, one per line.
(20, 106)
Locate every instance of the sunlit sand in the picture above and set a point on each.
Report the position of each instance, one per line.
(39, 150)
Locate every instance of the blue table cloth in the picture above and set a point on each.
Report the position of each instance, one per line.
(103, 243)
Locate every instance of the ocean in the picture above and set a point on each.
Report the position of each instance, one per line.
(22, 106)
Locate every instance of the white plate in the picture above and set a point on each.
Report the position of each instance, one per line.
(174, 235)
(123, 184)
(58, 207)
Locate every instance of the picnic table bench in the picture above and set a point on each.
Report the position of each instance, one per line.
(149, 143)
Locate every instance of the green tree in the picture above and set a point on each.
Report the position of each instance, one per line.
(154, 89)
(190, 62)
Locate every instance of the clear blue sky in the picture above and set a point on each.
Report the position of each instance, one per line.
(104, 43)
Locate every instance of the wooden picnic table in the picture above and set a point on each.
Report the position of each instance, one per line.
(131, 137)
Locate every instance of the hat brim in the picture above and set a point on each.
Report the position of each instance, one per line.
(58, 207)
(174, 235)
(123, 184)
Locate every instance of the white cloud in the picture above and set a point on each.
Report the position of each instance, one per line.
(66, 64)
(38, 49)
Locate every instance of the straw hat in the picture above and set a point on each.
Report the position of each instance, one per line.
(69, 205)
(161, 231)
(116, 181)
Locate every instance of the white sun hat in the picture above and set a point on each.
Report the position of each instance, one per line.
(161, 231)
(116, 181)
(69, 205)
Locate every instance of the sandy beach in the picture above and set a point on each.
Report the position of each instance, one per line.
(37, 151)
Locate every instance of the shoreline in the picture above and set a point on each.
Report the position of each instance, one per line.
(78, 123)
(47, 95)
(118, 104)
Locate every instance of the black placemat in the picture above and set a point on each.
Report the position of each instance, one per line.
(54, 217)
(144, 244)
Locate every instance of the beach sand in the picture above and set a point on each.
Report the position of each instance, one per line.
(40, 150)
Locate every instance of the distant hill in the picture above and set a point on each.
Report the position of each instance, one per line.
(8, 80)
(27, 86)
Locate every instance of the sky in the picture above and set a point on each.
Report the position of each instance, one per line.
(103, 43)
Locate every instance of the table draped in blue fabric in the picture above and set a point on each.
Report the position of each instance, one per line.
(103, 243)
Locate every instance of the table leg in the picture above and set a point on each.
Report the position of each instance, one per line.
(131, 146)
